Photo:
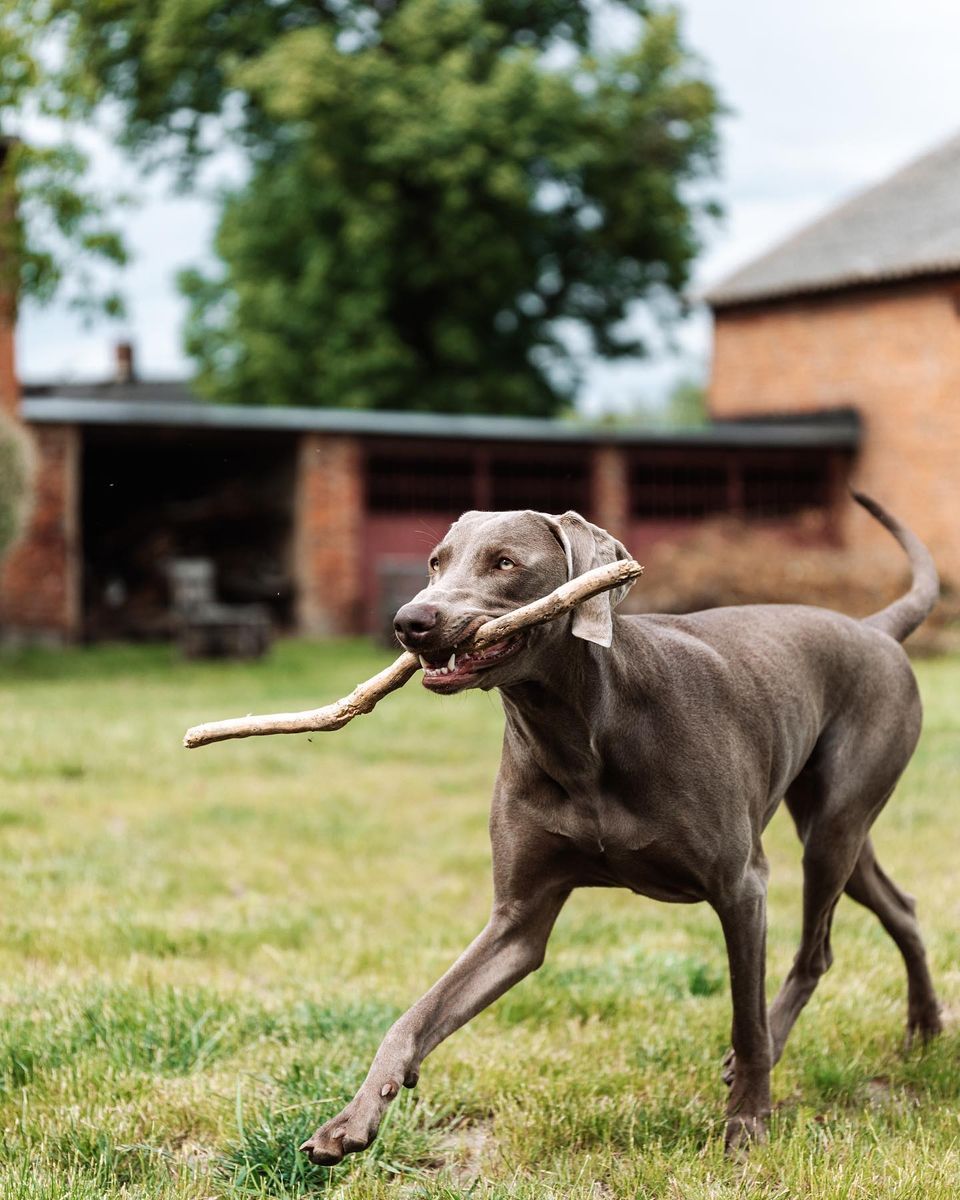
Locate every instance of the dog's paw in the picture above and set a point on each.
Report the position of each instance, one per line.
(728, 1068)
(743, 1132)
(923, 1026)
(349, 1131)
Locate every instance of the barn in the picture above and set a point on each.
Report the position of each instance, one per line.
(326, 516)
(862, 310)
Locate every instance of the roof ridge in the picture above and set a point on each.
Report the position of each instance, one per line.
(730, 290)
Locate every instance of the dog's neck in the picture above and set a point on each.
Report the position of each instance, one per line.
(568, 695)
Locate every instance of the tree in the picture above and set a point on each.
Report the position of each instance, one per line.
(437, 187)
(53, 228)
(687, 403)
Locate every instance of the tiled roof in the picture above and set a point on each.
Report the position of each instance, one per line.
(906, 226)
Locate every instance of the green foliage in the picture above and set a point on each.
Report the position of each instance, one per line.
(14, 482)
(171, 66)
(437, 187)
(685, 407)
(54, 229)
(687, 404)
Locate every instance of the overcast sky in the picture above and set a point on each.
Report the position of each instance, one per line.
(826, 97)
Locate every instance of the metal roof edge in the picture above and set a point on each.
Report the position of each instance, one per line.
(64, 410)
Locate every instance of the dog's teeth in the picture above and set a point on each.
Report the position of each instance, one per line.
(451, 665)
(424, 663)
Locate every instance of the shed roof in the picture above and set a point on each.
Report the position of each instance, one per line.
(839, 428)
(905, 226)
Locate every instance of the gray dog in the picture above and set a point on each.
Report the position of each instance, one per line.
(649, 752)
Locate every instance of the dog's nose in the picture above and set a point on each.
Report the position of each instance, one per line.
(415, 621)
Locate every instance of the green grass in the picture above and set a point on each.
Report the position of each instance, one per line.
(200, 951)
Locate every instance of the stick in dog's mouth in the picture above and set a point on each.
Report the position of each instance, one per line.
(492, 642)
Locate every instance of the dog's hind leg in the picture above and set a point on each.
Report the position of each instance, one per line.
(870, 886)
(828, 859)
(826, 868)
(833, 803)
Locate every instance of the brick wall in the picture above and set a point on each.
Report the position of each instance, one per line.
(328, 535)
(40, 577)
(894, 353)
(609, 490)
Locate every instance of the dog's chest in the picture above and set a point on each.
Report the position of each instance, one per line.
(588, 808)
(620, 828)
(595, 823)
(615, 847)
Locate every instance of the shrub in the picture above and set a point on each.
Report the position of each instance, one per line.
(726, 561)
(14, 482)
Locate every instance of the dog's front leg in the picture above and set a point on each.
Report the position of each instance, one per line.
(510, 947)
(743, 915)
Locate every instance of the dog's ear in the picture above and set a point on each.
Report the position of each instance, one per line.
(587, 546)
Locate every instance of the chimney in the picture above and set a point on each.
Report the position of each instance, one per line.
(123, 367)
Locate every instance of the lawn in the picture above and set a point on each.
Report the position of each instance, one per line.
(200, 951)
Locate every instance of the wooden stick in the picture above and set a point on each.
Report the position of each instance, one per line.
(364, 697)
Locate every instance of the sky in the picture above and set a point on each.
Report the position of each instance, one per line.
(825, 97)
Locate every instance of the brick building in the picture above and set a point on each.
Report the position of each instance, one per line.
(327, 515)
(862, 309)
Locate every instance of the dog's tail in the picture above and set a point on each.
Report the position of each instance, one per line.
(902, 617)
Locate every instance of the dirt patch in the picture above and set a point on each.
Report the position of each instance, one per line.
(882, 1093)
(464, 1150)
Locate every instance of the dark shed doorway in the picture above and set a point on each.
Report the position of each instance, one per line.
(153, 495)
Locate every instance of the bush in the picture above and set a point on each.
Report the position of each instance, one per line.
(726, 561)
(14, 482)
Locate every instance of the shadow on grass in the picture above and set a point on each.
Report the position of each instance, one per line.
(606, 989)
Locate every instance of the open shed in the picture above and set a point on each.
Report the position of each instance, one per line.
(327, 516)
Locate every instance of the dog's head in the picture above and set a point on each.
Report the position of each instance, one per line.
(488, 564)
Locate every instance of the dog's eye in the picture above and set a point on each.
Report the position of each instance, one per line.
(434, 564)
(505, 564)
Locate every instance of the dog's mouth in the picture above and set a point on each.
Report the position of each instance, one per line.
(454, 671)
